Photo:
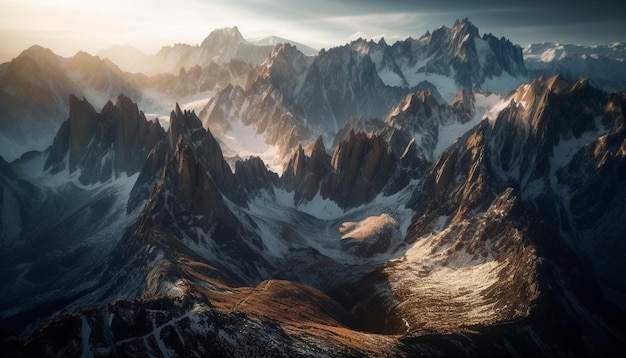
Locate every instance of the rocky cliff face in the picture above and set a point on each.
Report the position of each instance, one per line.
(342, 83)
(284, 70)
(553, 142)
(304, 174)
(185, 126)
(361, 166)
(253, 176)
(459, 50)
(198, 79)
(359, 169)
(260, 108)
(303, 97)
(104, 144)
(467, 225)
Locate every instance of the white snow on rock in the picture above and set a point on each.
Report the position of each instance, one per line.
(246, 142)
(486, 104)
(318, 223)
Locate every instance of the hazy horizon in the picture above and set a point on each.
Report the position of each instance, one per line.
(69, 26)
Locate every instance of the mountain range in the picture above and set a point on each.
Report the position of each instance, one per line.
(453, 194)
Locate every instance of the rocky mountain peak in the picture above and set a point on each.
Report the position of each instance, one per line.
(253, 176)
(40, 55)
(103, 76)
(83, 61)
(184, 123)
(414, 110)
(111, 142)
(185, 126)
(462, 53)
(361, 167)
(304, 174)
(463, 105)
(284, 68)
(195, 187)
(319, 149)
(221, 38)
(464, 28)
(83, 123)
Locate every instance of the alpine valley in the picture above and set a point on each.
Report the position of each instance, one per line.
(447, 195)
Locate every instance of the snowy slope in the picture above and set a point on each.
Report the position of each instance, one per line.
(604, 65)
(56, 256)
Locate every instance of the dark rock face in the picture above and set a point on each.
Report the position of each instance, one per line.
(60, 148)
(361, 167)
(509, 57)
(360, 124)
(400, 140)
(304, 173)
(447, 192)
(562, 146)
(134, 137)
(194, 186)
(463, 105)
(253, 176)
(83, 122)
(149, 174)
(105, 144)
(185, 126)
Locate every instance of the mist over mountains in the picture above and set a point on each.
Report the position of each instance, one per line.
(451, 194)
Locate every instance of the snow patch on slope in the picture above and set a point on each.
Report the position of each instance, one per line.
(317, 224)
(367, 227)
(390, 78)
(158, 105)
(246, 142)
(503, 84)
(484, 105)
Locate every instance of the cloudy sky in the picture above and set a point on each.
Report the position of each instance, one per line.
(66, 26)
